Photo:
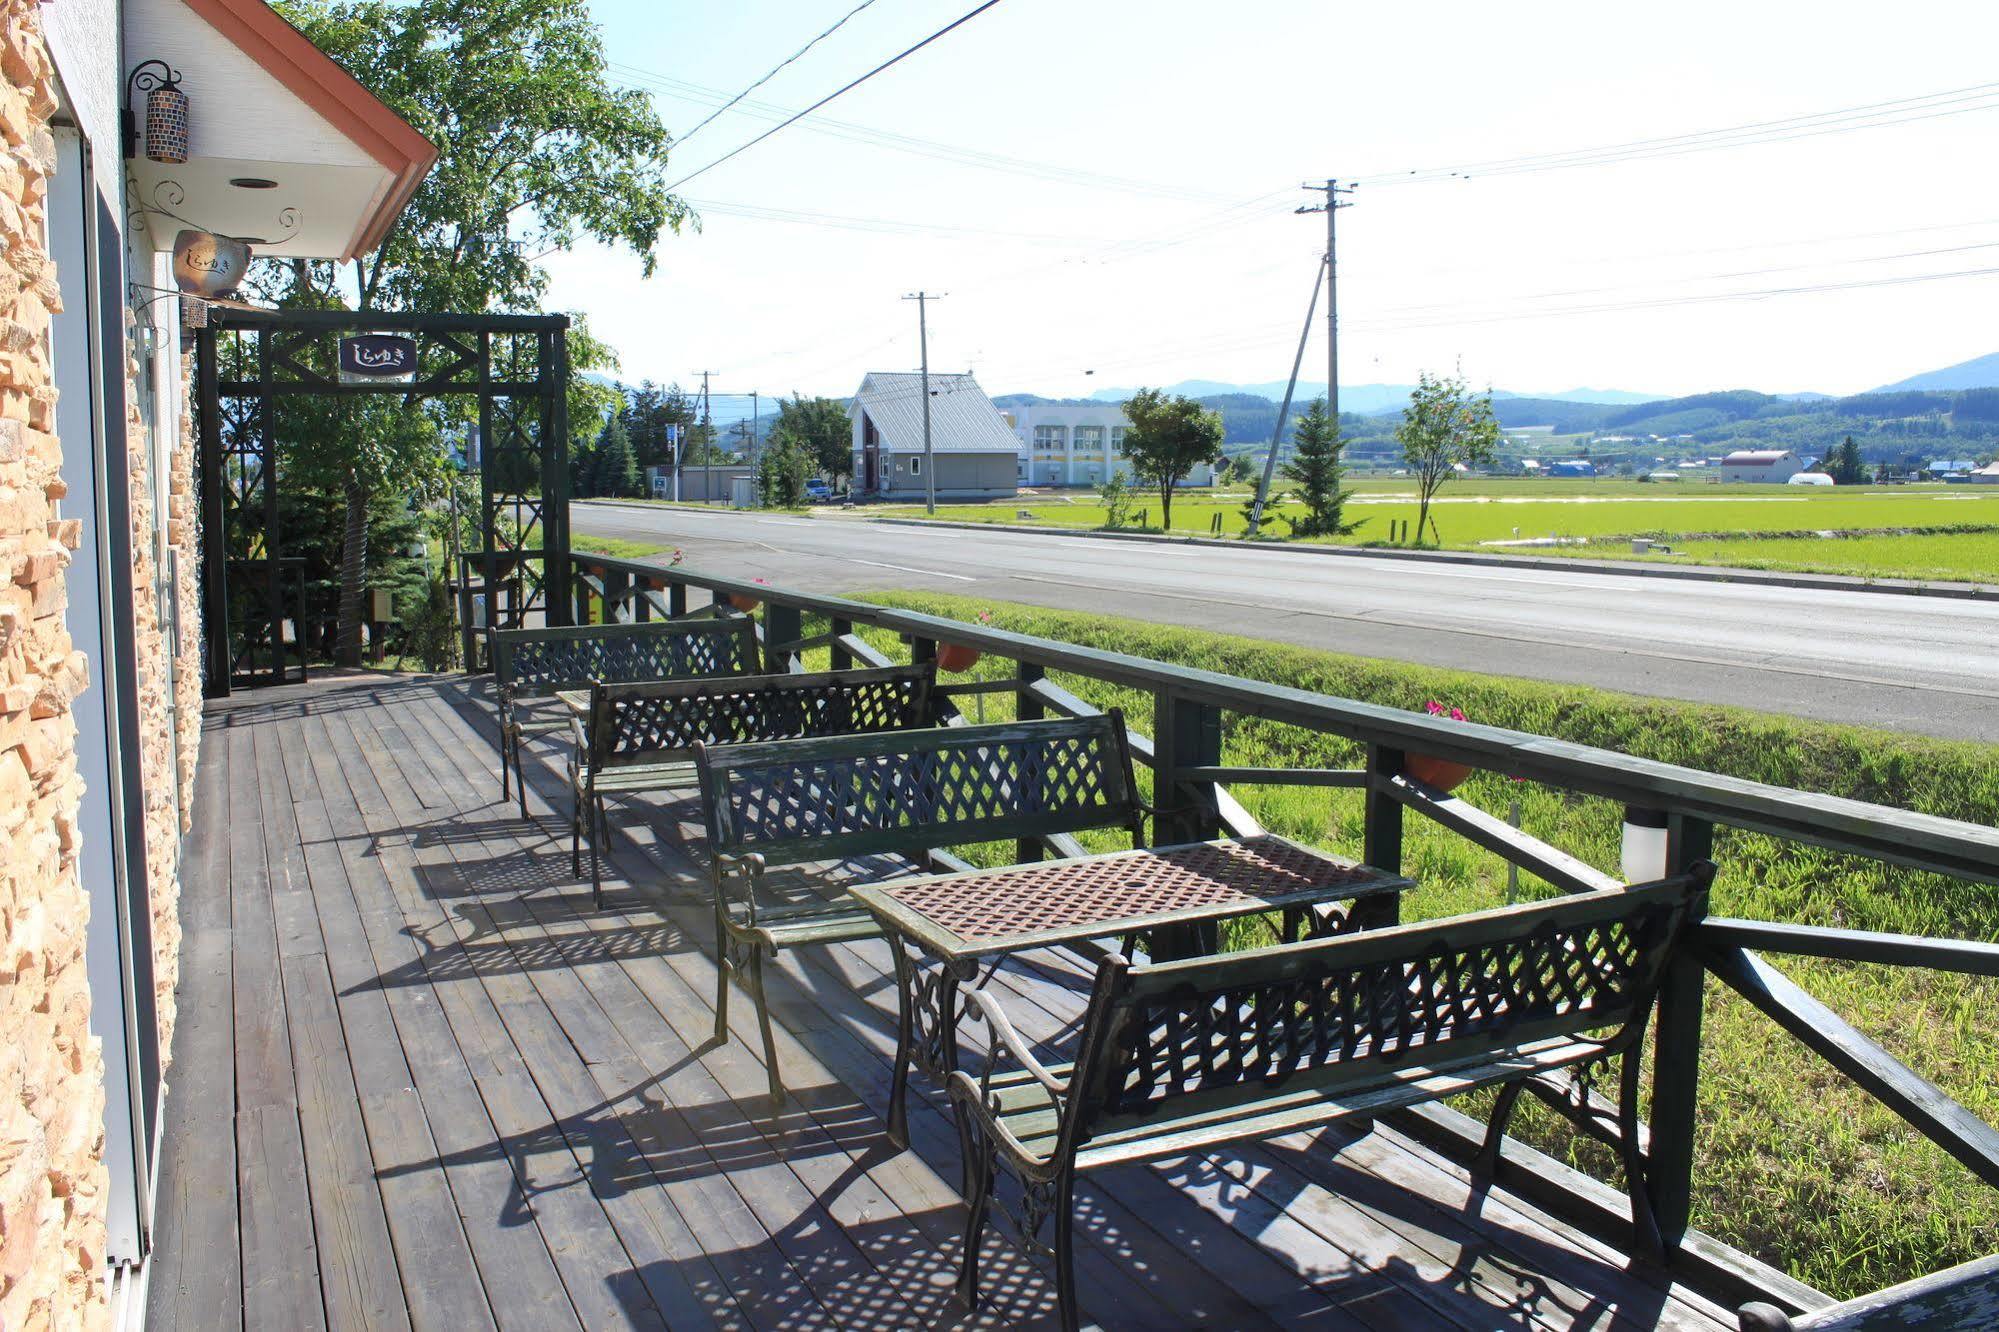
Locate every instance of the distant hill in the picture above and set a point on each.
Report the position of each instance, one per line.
(1366, 399)
(1979, 372)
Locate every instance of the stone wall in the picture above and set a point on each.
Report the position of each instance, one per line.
(52, 1180)
(159, 776)
(184, 535)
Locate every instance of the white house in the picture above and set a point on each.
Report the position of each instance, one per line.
(1077, 444)
(970, 444)
(1775, 466)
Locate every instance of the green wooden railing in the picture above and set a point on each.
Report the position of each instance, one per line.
(1184, 751)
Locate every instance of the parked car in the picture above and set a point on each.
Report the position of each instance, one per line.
(818, 491)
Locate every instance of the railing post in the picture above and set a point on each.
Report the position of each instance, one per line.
(617, 587)
(642, 600)
(1028, 707)
(1382, 847)
(782, 624)
(842, 660)
(1676, 1055)
(676, 601)
(1184, 735)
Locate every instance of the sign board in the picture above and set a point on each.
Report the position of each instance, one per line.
(208, 265)
(367, 358)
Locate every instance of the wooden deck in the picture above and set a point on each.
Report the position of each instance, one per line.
(418, 1082)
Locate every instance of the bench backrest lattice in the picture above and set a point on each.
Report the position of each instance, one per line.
(534, 663)
(663, 720)
(909, 791)
(1352, 1012)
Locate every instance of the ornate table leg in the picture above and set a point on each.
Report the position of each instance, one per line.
(927, 1030)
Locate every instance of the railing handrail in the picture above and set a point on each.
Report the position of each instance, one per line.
(1919, 841)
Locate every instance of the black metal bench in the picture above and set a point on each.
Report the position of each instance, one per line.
(908, 794)
(641, 737)
(539, 663)
(1190, 1055)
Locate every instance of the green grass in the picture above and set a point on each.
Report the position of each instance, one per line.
(1474, 512)
(1795, 1164)
(1951, 556)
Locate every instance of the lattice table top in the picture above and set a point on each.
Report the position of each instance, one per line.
(1058, 901)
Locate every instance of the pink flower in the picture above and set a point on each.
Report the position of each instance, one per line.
(1434, 708)
(764, 581)
(1457, 714)
(678, 556)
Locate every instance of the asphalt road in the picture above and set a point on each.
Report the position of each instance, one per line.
(1921, 664)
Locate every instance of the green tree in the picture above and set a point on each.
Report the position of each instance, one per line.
(782, 470)
(1845, 465)
(616, 473)
(1169, 437)
(537, 149)
(1316, 466)
(1115, 497)
(1445, 426)
(822, 427)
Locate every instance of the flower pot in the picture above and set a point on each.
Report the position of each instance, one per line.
(956, 657)
(1439, 774)
(743, 603)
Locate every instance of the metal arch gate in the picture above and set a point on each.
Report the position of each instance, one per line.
(517, 366)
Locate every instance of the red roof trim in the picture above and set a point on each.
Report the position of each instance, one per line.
(320, 83)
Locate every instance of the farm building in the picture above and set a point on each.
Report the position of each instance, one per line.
(1572, 467)
(971, 446)
(1775, 466)
(1987, 475)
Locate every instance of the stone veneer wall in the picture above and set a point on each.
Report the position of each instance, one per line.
(52, 1180)
(160, 710)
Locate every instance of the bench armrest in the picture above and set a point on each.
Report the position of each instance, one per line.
(985, 1006)
(748, 869)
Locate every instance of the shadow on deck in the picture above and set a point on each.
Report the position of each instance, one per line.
(417, 1081)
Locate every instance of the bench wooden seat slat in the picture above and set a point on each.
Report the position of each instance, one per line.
(1193, 1054)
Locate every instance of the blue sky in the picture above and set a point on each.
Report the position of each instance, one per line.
(1106, 186)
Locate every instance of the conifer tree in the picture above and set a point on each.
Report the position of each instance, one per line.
(1316, 469)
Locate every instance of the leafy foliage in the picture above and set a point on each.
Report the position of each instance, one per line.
(782, 470)
(1116, 498)
(821, 427)
(1444, 427)
(1844, 465)
(1316, 467)
(1169, 437)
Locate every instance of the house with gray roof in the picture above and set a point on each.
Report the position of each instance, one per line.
(971, 445)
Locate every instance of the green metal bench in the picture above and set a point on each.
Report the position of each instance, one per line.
(908, 794)
(1190, 1055)
(539, 663)
(641, 737)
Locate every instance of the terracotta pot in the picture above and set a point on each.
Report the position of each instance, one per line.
(956, 657)
(743, 603)
(1441, 774)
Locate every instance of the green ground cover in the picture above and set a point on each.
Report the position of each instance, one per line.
(1472, 513)
(1795, 1165)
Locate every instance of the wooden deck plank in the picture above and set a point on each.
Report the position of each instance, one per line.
(525, 1089)
(281, 1286)
(677, 1280)
(700, 1210)
(199, 1286)
(590, 1249)
(916, 1189)
(359, 1277)
(522, 1288)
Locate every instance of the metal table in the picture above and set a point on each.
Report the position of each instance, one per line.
(951, 921)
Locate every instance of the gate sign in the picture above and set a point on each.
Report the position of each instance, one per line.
(377, 358)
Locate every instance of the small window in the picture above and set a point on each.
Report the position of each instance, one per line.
(916, 467)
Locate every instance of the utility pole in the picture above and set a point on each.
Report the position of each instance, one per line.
(1283, 415)
(708, 443)
(923, 299)
(1332, 189)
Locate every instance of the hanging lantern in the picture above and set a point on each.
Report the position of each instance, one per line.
(167, 122)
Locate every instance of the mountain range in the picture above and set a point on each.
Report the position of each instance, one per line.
(1374, 399)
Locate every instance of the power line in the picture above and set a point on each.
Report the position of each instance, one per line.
(958, 22)
(774, 70)
(665, 85)
(1954, 101)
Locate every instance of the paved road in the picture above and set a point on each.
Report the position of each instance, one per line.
(1922, 664)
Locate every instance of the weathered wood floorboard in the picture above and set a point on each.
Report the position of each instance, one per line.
(464, 1098)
